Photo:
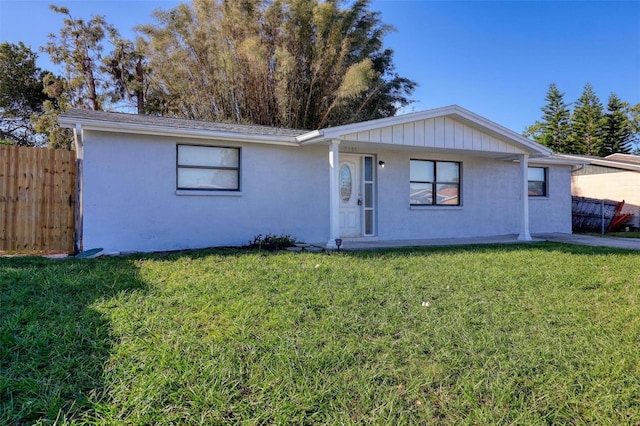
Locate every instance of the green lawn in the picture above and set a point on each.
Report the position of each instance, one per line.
(518, 334)
(630, 234)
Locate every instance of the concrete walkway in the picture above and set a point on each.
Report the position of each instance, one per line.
(588, 240)
(624, 243)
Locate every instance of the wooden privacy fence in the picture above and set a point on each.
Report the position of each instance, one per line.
(37, 199)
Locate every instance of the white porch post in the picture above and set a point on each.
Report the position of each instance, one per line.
(524, 196)
(334, 196)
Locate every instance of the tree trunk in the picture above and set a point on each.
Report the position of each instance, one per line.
(139, 92)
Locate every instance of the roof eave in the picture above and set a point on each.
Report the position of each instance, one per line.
(605, 163)
(556, 161)
(70, 122)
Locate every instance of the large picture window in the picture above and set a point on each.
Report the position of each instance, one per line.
(537, 181)
(208, 168)
(434, 183)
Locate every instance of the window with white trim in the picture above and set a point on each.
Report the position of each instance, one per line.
(434, 183)
(537, 181)
(208, 168)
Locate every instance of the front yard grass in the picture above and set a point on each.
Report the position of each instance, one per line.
(523, 334)
(622, 234)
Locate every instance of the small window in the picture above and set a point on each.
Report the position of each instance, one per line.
(434, 183)
(208, 168)
(537, 181)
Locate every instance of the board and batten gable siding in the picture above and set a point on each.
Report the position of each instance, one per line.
(131, 202)
(439, 132)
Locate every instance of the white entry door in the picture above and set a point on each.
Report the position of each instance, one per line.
(350, 190)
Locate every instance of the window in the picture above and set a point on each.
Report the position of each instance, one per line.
(208, 168)
(434, 183)
(537, 181)
(369, 209)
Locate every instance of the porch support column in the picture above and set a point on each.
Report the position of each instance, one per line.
(334, 195)
(524, 197)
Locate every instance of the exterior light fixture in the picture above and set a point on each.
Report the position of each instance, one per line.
(338, 243)
(381, 163)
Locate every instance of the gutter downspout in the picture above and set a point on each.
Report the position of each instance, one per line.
(79, 145)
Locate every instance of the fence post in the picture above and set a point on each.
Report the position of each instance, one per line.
(602, 217)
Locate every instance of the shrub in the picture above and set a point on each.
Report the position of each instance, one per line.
(271, 242)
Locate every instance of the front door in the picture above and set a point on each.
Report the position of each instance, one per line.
(350, 190)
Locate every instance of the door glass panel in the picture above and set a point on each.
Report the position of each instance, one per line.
(421, 193)
(368, 195)
(345, 183)
(368, 169)
(368, 222)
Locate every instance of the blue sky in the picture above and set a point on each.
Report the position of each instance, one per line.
(496, 58)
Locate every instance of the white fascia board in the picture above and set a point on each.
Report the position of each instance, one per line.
(116, 127)
(552, 161)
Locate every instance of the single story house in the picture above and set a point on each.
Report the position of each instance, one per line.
(614, 177)
(157, 183)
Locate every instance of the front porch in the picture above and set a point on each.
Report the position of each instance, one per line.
(444, 137)
(575, 239)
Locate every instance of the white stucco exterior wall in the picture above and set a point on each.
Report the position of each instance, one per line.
(552, 213)
(130, 201)
(490, 200)
(475, 217)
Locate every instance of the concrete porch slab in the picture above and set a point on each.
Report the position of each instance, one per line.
(355, 244)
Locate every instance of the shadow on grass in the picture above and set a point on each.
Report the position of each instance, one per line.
(53, 344)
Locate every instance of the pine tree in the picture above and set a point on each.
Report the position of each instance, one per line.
(587, 124)
(618, 134)
(21, 94)
(555, 128)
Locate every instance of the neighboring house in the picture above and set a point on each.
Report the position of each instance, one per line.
(156, 183)
(615, 177)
